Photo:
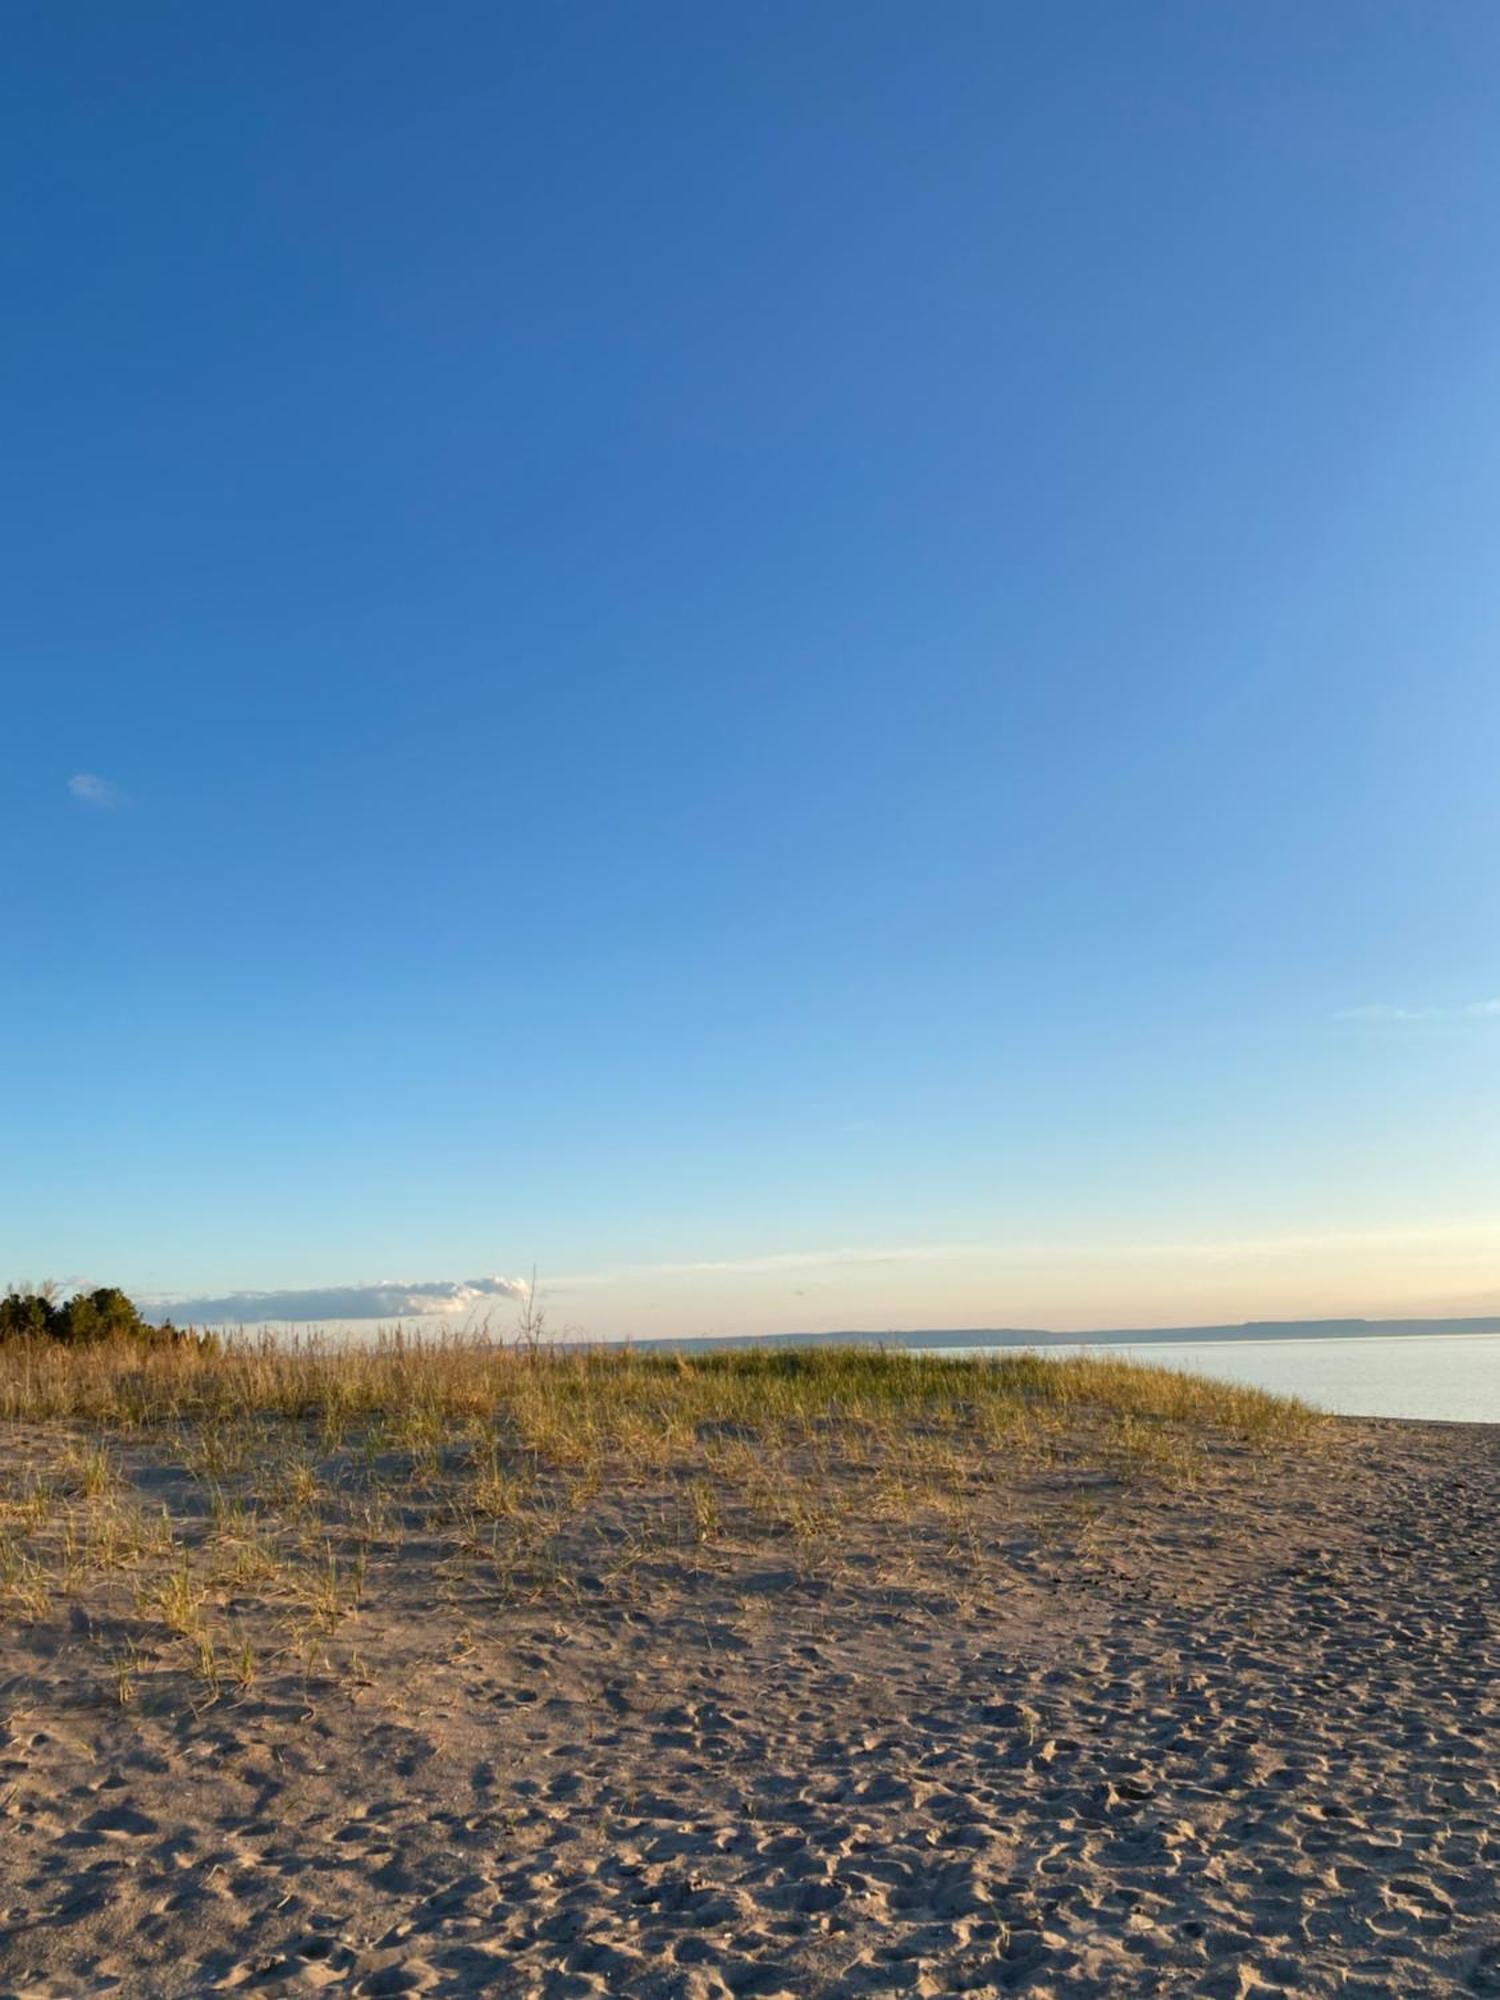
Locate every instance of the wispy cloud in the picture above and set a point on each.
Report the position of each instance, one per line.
(1105, 1249)
(91, 790)
(1379, 1011)
(776, 1261)
(392, 1299)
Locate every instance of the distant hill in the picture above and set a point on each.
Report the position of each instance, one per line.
(1019, 1336)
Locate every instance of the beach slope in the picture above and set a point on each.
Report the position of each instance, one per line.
(1077, 1722)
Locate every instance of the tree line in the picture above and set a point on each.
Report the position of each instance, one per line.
(88, 1317)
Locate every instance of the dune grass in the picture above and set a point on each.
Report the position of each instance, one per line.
(216, 1516)
(584, 1393)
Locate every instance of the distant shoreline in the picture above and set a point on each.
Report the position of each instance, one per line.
(1024, 1337)
(440, 1325)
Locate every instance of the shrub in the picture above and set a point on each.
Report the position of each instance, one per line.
(84, 1319)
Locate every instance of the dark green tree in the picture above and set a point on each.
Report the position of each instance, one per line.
(88, 1317)
(29, 1316)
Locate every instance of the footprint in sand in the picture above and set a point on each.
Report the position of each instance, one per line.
(123, 1821)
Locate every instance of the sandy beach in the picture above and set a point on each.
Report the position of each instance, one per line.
(1096, 1732)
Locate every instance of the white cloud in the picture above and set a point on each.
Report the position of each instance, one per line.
(1470, 1010)
(446, 1298)
(90, 790)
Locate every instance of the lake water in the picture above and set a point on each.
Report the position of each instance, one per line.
(1447, 1375)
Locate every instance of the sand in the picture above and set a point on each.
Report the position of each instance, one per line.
(1116, 1739)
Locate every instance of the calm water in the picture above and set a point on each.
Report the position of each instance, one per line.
(1451, 1375)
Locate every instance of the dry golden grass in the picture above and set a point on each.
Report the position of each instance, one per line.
(571, 1399)
(224, 1515)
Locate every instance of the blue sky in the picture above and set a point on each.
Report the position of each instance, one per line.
(806, 664)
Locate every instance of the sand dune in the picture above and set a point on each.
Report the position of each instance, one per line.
(1231, 1740)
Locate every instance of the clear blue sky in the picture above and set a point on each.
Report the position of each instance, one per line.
(853, 644)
